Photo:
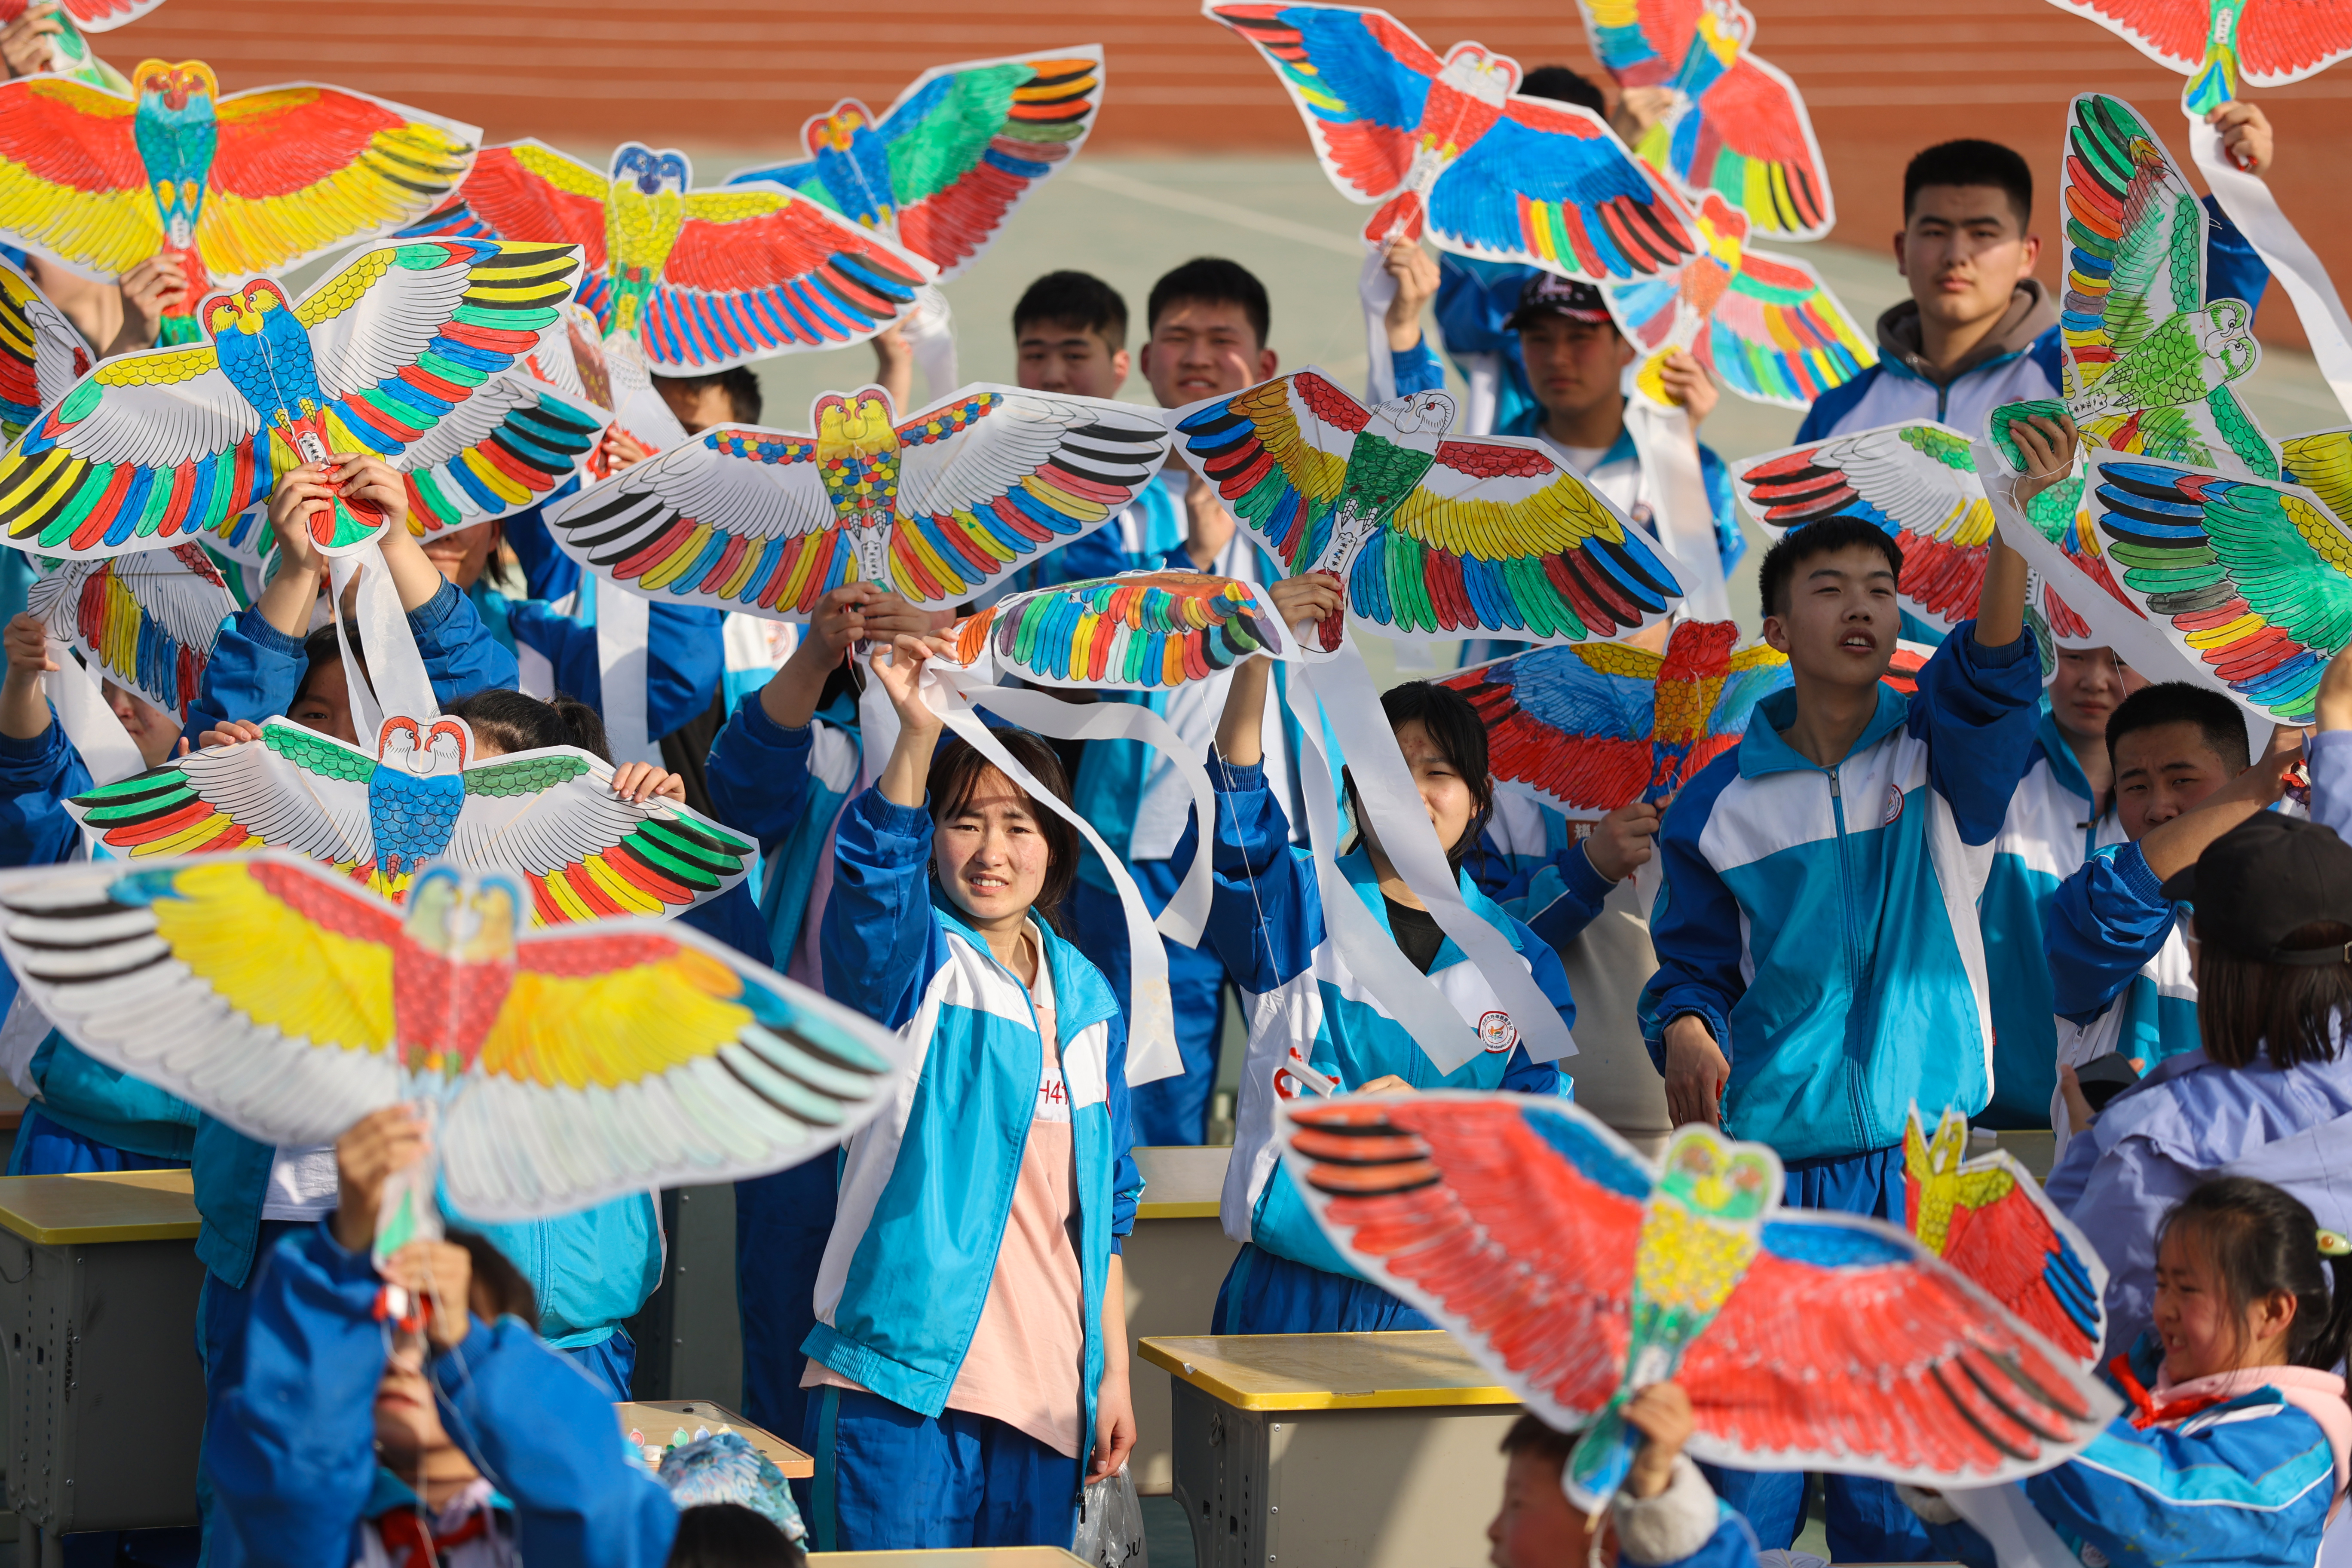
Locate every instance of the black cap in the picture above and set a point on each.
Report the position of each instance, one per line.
(1549, 294)
(2265, 879)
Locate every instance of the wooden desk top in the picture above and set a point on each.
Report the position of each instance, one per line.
(958, 1557)
(100, 1206)
(659, 1419)
(1328, 1372)
(1181, 1182)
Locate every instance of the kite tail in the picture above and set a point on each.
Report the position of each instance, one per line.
(1401, 216)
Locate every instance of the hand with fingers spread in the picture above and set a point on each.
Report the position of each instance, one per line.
(641, 782)
(2048, 448)
(377, 1146)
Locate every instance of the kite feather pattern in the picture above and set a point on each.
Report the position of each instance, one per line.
(2215, 43)
(149, 621)
(1143, 631)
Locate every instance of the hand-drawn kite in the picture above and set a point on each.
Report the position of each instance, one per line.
(2213, 43)
(42, 353)
(148, 621)
(70, 51)
(1143, 630)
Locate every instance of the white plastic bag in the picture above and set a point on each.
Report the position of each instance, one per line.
(1110, 1525)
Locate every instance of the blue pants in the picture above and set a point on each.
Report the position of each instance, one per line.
(1266, 1293)
(610, 1363)
(1173, 1110)
(890, 1480)
(782, 1224)
(1867, 1522)
(48, 1148)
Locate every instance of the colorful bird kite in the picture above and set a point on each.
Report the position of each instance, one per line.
(402, 353)
(225, 188)
(1429, 536)
(702, 279)
(148, 620)
(1579, 1273)
(1448, 147)
(70, 51)
(1141, 631)
(936, 507)
(564, 1068)
(1737, 126)
(1988, 1218)
(2213, 43)
(943, 168)
(42, 353)
(549, 815)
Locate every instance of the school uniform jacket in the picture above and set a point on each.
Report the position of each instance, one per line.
(1822, 922)
(2118, 959)
(783, 787)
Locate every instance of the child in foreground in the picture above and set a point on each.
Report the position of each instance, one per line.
(1664, 1513)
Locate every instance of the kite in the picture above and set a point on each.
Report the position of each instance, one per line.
(936, 507)
(1450, 149)
(402, 354)
(70, 52)
(1143, 631)
(1737, 127)
(562, 1068)
(42, 353)
(1429, 536)
(2213, 43)
(1578, 1273)
(1989, 1219)
(148, 621)
(549, 815)
(943, 168)
(226, 187)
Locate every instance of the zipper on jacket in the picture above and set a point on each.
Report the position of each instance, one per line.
(1854, 987)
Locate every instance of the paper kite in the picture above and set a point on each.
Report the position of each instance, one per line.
(226, 187)
(70, 52)
(148, 621)
(2213, 43)
(1429, 535)
(402, 354)
(1449, 148)
(564, 1068)
(943, 168)
(936, 507)
(377, 818)
(1141, 631)
(1738, 126)
(1988, 1218)
(42, 353)
(1579, 1273)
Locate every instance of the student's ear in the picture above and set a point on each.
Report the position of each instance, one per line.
(2028, 255)
(1902, 238)
(2272, 1315)
(1143, 360)
(1626, 352)
(1120, 361)
(1775, 633)
(1266, 361)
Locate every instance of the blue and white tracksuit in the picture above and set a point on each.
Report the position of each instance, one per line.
(290, 1443)
(2119, 958)
(2054, 825)
(925, 1190)
(1266, 920)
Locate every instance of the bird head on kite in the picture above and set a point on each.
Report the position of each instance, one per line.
(1925, 1158)
(247, 310)
(1723, 230)
(1477, 72)
(2228, 340)
(173, 87)
(835, 130)
(1728, 27)
(1419, 420)
(1710, 1176)
(653, 174)
(439, 751)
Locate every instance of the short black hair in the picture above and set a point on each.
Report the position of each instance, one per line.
(1774, 578)
(1460, 735)
(1212, 281)
(1077, 300)
(743, 389)
(2217, 718)
(1562, 85)
(1971, 163)
(513, 721)
(1528, 1435)
(957, 771)
(729, 1535)
(497, 1284)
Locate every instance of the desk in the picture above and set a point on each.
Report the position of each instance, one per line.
(659, 1419)
(1173, 1264)
(1335, 1450)
(98, 1280)
(959, 1557)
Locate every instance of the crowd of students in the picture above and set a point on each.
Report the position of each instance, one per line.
(2068, 903)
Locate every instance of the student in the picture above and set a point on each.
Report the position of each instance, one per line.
(337, 1440)
(971, 1352)
(730, 1535)
(1819, 970)
(1979, 330)
(1069, 334)
(1664, 1513)
(1266, 922)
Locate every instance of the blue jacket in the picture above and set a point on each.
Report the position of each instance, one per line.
(2119, 963)
(1553, 889)
(784, 788)
(927, 1188)
(1265, 922)
(1822, 922)
(290, 1448)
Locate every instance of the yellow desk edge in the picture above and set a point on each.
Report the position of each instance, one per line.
(1318, 1399)
(1147, 1209)
(176, 1183)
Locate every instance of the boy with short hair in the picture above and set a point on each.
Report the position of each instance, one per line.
(1664, 1514)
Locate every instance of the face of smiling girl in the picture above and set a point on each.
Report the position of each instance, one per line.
(2201, 1335)
(990, 857)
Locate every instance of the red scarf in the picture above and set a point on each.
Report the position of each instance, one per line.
(2147, 1412)
(407, 1544)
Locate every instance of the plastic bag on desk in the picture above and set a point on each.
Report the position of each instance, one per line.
(1110, 1525)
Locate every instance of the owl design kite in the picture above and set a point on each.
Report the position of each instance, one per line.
(1988, 1218)
(148, 621)
(936, 508)
(943, 168)
(702, 279)
(565, 1068)
(1429, 536)
(402, 353)
(1578, 1274)
(1737, 128)
(1448, 148)
(42, 353)
(252, 182)
(549, 816)
(2213, 43)
(1139, 631)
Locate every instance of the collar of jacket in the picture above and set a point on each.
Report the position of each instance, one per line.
(1357, 867)
(2064, 766)
(2030, 314)
(1082, 997)
(1529, 423)
(1762, 751)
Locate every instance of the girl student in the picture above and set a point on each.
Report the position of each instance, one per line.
(1266, 920)
(968, 1360)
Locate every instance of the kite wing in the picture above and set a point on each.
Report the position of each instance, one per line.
(2009, 1237)
(1571, 726)
(72, 185)
(2136, 238)
(1779, 335)
(506, 448)
(293, 789)
(1747, 138)
(1360, 79)
(2278, 44)
(1278, 454)
(1143, 631)
(1641, 42)
(1548, 183)
(2168, 32)
(42, 353)
(527, 190)
(149, 620)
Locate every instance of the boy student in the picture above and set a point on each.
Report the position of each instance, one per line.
(1662, 1514)
(1819, 969)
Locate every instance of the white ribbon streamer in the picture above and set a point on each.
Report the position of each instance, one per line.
(395, 681)
(2019, 1537)
(1377, 289)
(1668, 448)
(2255, 211)
(929, 332)
(1483, 373)
(90, 721)
(623, 667)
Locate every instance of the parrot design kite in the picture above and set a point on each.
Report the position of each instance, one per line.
(564, 1068)
(1579, 1274)
(1140, 631)
(1989, 1219)
(252, 182)
(936, 507)
(943, 168)
(2214, 43)
(1448, 147)
(148, 621)
(549, 815)
(1737, 127)
(402, 353)
(42, 353)
(1427, 534)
